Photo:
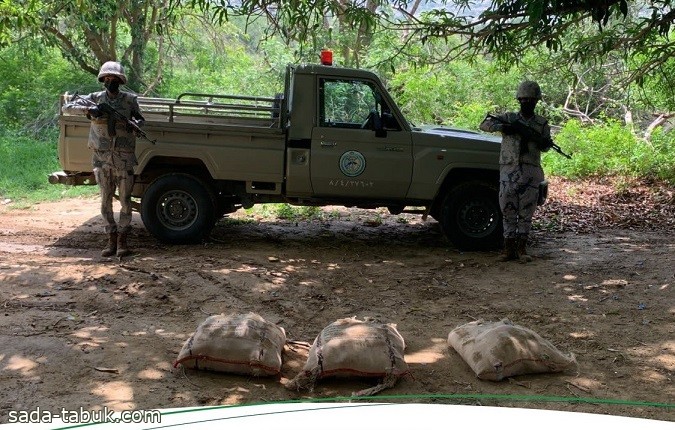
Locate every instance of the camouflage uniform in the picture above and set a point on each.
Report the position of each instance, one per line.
(520, 174)
(114, 154)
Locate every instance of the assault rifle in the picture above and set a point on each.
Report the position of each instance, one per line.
(531, 135)
(112, 114)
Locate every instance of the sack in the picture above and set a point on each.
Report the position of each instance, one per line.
(235, 343)
(353, 348)
(498, 350)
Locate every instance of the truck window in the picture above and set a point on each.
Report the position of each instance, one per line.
(346, 103)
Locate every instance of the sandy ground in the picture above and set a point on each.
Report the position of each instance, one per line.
(79, 330)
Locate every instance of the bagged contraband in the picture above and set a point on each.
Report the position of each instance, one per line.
(353, 348)
(236, 343)
(498, 350)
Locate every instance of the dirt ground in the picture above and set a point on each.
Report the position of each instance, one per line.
(79, 330)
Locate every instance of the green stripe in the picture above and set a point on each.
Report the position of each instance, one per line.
(380, 398)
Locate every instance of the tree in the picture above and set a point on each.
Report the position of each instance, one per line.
(346, 26)
(89, 36)
(504, 29)
(584, 29)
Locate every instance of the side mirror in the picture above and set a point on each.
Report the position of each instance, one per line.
(378, 124)
(389, 121)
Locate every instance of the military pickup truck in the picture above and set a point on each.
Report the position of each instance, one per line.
(334, 137)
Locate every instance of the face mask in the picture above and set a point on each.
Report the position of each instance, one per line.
(112, 86)
(527, 107)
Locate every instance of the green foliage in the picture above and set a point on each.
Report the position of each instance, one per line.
(308, 25)
(585, 32)
(118, 30)
(227, 62)
(285, 211)
(33, 77)
(26, 162)
(458, 93)
(655, 159)
(611, 149)
(468, 115)
(298, 213)
(15, 17)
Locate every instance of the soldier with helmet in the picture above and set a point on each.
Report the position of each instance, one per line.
(520, 172)
(113, 142)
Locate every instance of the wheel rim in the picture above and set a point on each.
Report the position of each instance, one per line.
(177, 210)
(477, 218)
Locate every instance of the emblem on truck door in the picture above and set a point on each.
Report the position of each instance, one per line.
(352, 163)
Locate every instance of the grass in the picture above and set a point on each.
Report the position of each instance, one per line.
(25, 164)
(286, 212)
(298, 213)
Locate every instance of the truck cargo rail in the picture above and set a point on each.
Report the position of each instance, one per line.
(210, 109)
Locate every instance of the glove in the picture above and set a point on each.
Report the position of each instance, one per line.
(100, 110)
(545, 144)
(105, 108)
(130, 125)
(508, 129)
(95, 112)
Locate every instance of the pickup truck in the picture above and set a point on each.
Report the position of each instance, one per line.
(333, 137)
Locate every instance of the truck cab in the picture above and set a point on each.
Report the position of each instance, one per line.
(355, 147)
(347, 139)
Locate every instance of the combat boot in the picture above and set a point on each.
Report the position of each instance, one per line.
(523, 256)
(122, 247)
(112, 245)
(510, 249)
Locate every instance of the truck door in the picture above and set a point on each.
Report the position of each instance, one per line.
(348, 157)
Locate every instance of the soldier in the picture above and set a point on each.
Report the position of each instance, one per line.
(113, 142)
(520, 172)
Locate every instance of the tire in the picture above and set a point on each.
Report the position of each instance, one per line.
(178, 209)
(470, 216)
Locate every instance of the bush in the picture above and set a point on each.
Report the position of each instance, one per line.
(33, 78)
(610, 149)
(458, 93)
(656, 159)
(26, 163)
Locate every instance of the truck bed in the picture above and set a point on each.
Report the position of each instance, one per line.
(222, 131)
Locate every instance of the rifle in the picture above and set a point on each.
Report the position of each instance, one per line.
(112, 111)
(530, 134)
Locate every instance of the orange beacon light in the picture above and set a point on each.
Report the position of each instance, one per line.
(326, 57)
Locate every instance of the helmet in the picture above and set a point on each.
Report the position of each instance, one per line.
(112, 68)
(529, 89)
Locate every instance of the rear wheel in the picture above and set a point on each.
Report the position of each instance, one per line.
(178, 208)
(470, 216)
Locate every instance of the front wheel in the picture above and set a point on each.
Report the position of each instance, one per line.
(178, 208)
(470, 216)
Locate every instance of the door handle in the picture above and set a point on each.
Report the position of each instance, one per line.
(328, 144)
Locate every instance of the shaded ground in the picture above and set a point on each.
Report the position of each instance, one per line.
(81, 330)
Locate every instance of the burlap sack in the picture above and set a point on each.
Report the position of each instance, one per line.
(353, 348)
(235, 343)
(498, 350)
